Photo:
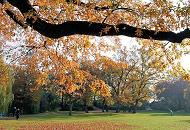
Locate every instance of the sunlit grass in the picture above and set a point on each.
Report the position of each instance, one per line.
(99, 121)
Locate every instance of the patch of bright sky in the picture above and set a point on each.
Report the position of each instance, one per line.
(185, 62)
(128, 42)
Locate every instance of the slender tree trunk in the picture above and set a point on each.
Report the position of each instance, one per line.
(118, 107)
(103, 105)
(70, 108)
(94, 100)
(103, 108)
(135, 107)
(106, 107)
(129, 110)
(85, 106)
(62, 102)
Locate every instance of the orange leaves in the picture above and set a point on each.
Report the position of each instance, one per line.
(158, 65)
(71, 88)
(162, 55)
(5, 6)
(105, 3)
(4, 74)
(42, 2)
(100, 88)
(47, 2)
(49, 41)
(42, 79)
(160, 3)
(77, 125)
(186, 77)
(177, 70)
(107, 64)
(62, 80)
(56, 62)
(4, 79)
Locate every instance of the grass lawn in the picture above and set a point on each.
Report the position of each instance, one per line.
(99, 121)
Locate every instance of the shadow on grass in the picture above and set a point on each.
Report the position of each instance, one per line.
(65, 115)
(7, 118)
(187, 121)
(169, 114)
(161, 114)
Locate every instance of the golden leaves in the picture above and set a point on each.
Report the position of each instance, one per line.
(62, 80)
(47, 2)
(100, 88)
(71, 88)
(107, 63)
(5, 6)
(4, 74)
(61, 58)
(186, 77)
(42, 79)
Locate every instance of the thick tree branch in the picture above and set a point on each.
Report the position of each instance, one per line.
(16, 19)
(91, 28)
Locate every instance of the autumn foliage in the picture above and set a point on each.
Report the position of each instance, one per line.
(54, 40)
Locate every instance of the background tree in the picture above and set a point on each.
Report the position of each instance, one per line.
(26, 97)
(6, 81)
(49, 101)
(112, 72)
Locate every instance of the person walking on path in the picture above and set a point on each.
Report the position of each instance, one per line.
(171, 112)
(17, 113)
(14, 111)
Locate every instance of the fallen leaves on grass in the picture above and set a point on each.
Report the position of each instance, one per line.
(77, 126)
(2, 128)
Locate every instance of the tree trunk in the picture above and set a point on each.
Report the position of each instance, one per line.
(85, 106)
(94, 100)
(62, 102)
(106, 107)
(103, 108)
(70, 108)
(117, 107)
(135, 106)
(103, 105)
(134, 109)
(130, 108)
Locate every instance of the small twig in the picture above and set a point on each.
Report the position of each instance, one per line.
(119, 8)
(25, 54)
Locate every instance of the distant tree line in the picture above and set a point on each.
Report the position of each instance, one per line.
(172, 95)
